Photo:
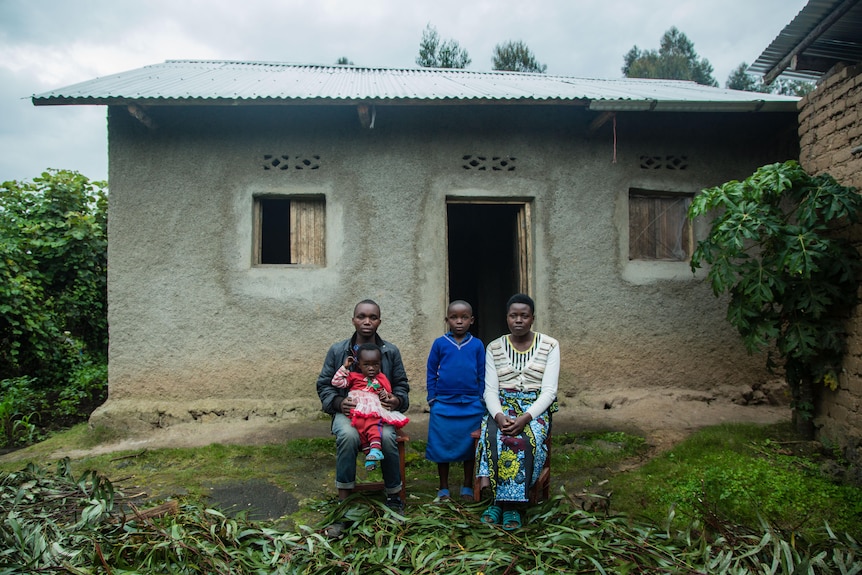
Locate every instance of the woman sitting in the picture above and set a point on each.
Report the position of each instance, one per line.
(521, 373)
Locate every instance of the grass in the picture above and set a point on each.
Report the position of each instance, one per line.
(576, 452)
(744, 474)
(725, 497)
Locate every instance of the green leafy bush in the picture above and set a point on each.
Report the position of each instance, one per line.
(86, 389)
(776, 249)
(19, 412)
(53, 294)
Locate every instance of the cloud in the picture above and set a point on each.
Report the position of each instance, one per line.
(33, 139)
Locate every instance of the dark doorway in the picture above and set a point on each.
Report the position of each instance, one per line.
(488, 260)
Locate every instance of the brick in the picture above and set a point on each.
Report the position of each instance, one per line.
(816, 147)
(820, 118)
(854, 347)
(845, 120)
(839, 412)
(852, 366)
(824, 129)
(853, 386)
(839, 105)
(818, 164)
(846, 404)
(854, 173)
(842, 151)
(836, 78)
(856, 178)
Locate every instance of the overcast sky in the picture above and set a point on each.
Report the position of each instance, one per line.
(48, 44)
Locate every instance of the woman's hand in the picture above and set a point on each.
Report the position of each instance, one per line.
(512, 427)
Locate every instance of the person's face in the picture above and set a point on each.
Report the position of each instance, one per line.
(369, 363)
(460, 318)
(366, 319)
(520, 319)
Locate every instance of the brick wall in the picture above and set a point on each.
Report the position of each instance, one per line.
(830, 128)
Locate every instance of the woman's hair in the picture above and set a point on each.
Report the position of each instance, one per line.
(521, 298)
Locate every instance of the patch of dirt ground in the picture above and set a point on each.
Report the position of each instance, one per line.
(664, 417)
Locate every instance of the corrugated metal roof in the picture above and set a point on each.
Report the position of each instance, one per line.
(840, 42)
(214, 82)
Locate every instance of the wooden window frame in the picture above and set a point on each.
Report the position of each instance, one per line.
(659, 228)
(297, 221)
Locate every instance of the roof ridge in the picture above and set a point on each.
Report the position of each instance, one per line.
(218, 81)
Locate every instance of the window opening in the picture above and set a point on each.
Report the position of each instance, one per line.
(290, 231)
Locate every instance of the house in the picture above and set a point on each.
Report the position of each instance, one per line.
(253, 204)
(824, 43)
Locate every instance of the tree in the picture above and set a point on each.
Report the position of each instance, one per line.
(343, 61)
(776, 249)
(436, 54)
(740, 79)
(515, 56)
(676, 59)
(53, 290)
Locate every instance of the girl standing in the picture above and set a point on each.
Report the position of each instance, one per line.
(456, 382)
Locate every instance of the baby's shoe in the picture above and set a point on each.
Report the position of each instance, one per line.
(374, 455)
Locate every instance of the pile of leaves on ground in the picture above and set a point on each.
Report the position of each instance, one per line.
(55, 523)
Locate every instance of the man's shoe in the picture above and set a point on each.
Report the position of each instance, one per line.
(335, 531)
(395, 504)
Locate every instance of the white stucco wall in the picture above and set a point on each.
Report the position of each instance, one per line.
(198, 332)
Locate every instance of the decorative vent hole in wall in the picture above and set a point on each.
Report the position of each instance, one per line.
(676, 162)
(287, 162)
(667, 162)
(488, 163)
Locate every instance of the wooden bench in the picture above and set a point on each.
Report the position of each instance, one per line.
(401, 439)
(541, 489)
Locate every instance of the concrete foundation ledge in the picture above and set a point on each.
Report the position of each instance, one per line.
(136, 416)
